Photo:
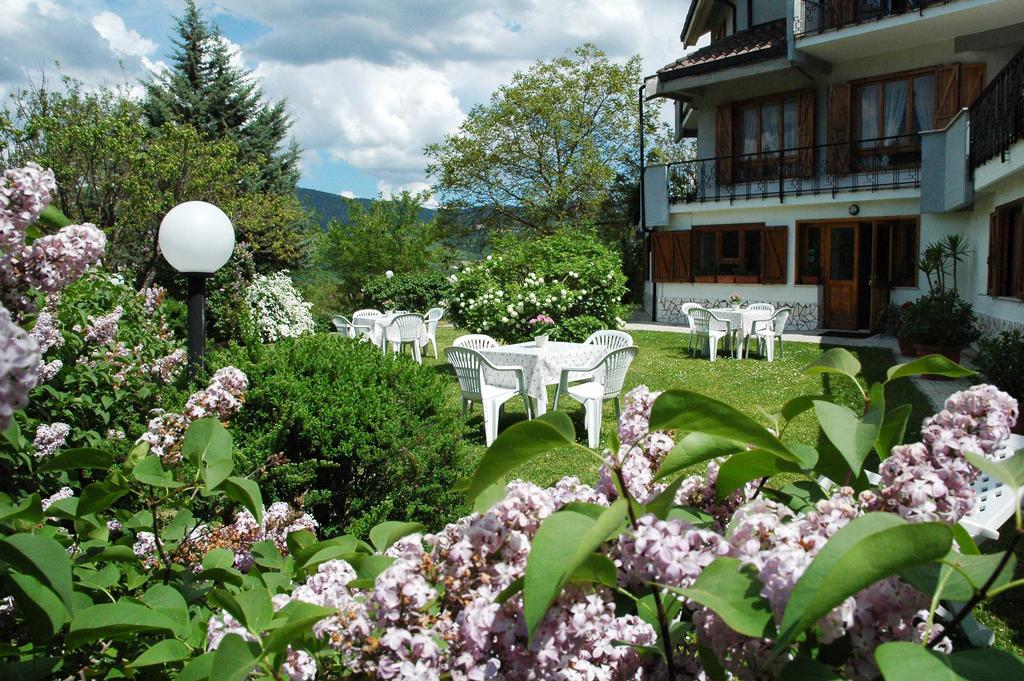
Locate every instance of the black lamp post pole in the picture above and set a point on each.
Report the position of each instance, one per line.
(196, 323)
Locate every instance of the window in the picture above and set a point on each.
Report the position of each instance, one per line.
(893, 259)
(753, 251)
(808, 248)
(902, 248)
(728, 250)
(900, 105)
(1006, 251)
(766, 126)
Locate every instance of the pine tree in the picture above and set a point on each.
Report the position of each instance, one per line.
(205, 90)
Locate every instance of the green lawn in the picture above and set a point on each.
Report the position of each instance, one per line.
(753, 386)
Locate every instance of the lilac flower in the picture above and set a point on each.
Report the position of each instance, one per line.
(24, 193)
(152, 297)
(50, 438)
(45, 331)
(19, 361)
(666, 551)
(56, 260)
(102, 330)
(62, 493)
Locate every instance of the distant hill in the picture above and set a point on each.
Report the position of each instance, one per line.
(331, 206)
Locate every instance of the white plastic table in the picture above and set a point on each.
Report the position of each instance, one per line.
(541, 366)
(381, 327)
(742, 322)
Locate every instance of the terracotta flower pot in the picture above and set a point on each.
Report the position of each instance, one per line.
(950, 352)
(907, 347)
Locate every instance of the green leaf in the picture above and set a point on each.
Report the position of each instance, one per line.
(934, 365)
(893, 430)
(800, 496)
(596, 569)
(808, 669)
(246, 492)
(959, 584)
(151, 472)
(12, 434)
(234, 658)
(741, 468)
(44, 613)
(53, 217)
(904, 661)
(868, 549)
(1009, 471)
(519, 443)
(663, 503)
(37, 669)
(169, 602)
(44, 559)
(850, 435)
(388, 532)
(256, 608)
(29, 509)
(99, 496)
(367, 567)
(798, 405)
(197, 669)
(563, 542)
(695, 448)
(491, 495)
(299, 618)
(835, 361)
(691, 412)
(81, 458)
(733, 592)
(116, 620)
(964, 540)
(168, 650)
(218, 558)
(207, 444)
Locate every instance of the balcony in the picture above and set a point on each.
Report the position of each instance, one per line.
(866, 165)
(997, 115)
(818, 16)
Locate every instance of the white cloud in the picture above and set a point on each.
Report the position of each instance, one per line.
(120, 38)
(348, 194)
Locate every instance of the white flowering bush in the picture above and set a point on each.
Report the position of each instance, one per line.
(277, 308)
(570, 276)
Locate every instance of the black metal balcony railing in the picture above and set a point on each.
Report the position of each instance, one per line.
(864, 165)
(819, 16)
(997, 115)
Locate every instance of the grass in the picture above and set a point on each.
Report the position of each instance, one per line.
(754, 387)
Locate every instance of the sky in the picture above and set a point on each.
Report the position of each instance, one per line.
(368, 82)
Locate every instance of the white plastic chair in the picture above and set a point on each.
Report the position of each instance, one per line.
(707, 325)
(610, 339)
(405, 329)
(343, 325)
(475, 341)
(369, 313)
(994, 501)
(469, 367)
(362, 321)
(609, 375)
(767, 331)
(689, 323)
(768, 307)
(434, 315)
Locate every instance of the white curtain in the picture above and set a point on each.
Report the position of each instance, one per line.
(895, 109)
(749, 131)
(924, 103)
(868, 109)
(771, 126)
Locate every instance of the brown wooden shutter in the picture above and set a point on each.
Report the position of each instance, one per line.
(681, 269)
(775, 255)
(995, 250)
(972, 80)
(645, 257)
(947, 94)
(839, 106)
(661, 256)
(724, 143)
(1014, 260)
(805, 132)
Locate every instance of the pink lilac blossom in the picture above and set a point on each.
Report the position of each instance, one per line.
(165, 368)
(24, 193)
(103, 329)
(62, 493)
(55, 260)
(666, 551)
(45, 331)
(50, 438)
(298, 664)
(152, 296)
(47, 370)
(19, 362)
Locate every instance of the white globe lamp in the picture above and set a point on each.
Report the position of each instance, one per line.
(196, 238)
(389, 274)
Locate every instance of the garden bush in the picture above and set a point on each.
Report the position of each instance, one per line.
(359, 436)
(941, 318)
(567, 276)
(277, 308)
(413, 291)
(1001, 358)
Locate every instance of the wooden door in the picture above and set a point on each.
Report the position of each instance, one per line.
(841, 270)
(879, 280)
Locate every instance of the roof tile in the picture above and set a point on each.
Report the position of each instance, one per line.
(755, 44)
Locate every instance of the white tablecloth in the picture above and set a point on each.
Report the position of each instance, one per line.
(742, 321)
(541, 366)
(381, 325)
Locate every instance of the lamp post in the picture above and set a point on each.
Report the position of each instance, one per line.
(196, 238)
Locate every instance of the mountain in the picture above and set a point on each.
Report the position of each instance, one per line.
(329, 206)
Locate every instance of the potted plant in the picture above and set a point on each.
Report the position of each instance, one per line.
(890, 320)
(940, 322)
(542, 326)
(704, 275)
(735, 300)
(726, 278)
(1001, 359)
(745, 276)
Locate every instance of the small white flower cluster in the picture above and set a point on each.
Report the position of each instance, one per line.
(277, 307)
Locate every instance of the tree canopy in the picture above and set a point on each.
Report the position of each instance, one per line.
(221, 100)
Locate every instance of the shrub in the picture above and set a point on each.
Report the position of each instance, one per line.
(414, 291)
(358, 435)
(568, 276)
(1001, 358)
(277, 307)
(940, 317)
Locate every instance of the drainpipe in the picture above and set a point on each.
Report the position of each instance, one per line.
(644, 232)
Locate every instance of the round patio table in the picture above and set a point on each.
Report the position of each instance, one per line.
(742, 322)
